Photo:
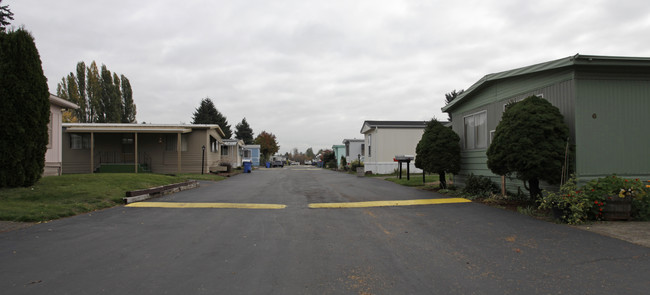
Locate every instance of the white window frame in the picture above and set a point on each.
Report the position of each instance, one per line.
(476, 130)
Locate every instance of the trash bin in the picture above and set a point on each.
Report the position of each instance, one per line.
(248, 167)
(268, 164)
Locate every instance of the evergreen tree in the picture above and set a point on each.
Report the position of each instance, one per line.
(244, 132)
(5, 15)
(438, 151)
(530, 143)
(127, 100)
(206, 113)
(449, 97)
(24, 110)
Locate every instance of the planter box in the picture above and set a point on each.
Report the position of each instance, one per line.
(617, 209)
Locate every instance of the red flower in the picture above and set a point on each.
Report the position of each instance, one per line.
(601, 209)
(596, 202)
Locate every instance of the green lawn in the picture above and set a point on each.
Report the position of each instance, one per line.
(71, 194)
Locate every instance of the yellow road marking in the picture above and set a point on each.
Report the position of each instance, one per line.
(388, 203)
(205, 205)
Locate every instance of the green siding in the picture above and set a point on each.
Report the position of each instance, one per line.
(617, 140)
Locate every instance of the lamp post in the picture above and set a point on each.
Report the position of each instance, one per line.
(202, 159)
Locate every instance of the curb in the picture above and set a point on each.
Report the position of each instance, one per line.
(145, 194)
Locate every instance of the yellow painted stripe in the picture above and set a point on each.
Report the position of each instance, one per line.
(389, 203)
(205, 205)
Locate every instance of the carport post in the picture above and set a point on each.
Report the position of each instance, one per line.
(136, 151)
(178, 152)
(92, 152)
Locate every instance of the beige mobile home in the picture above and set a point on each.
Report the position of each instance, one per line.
(89, 148)
(53, 155)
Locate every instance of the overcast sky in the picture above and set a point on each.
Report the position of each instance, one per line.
(311, 72)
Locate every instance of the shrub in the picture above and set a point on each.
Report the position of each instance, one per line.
(480, 186)
(578, 204)
(355, 164)
(572, 202)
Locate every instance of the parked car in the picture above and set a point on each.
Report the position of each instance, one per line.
(278, 164)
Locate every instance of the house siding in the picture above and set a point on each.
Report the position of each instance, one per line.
(619, 130)
(388, 142)
(618, 96)
(109, 146)
(557, 87)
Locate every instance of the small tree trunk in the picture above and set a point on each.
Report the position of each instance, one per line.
(535, 191)
(443, 181)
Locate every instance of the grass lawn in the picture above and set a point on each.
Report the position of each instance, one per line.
(71, 194)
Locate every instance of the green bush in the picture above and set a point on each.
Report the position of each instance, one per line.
(480, 186)
(355, 164)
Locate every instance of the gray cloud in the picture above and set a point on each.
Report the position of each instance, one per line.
(312, 71)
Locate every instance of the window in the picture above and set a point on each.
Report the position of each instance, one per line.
(369, 145)
(475, 131)
(214, 145)
(80, 141)
(247, 154)
(224, 150)
(363, 149)
(171, 141)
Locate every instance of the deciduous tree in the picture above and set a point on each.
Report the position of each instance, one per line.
(268, 144)
(530, 142)
(102, 97)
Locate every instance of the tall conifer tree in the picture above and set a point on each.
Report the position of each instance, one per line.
(206, 113)
(244, 132)
(24, 110)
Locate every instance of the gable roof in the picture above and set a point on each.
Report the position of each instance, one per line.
(367, 125)
(571, 61)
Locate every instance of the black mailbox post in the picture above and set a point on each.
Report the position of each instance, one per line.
(404, 159)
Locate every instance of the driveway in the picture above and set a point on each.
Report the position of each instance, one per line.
(454, 248)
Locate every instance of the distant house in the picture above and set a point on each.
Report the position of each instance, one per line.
(232, 152)
(386, 139)
(97, 147)
(53, 155)
(252, 153)
(605, 101)
(339, 151)
(354, 149)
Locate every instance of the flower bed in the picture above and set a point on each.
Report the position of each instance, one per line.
(611, 198)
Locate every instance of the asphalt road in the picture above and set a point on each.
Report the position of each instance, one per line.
(461, 248)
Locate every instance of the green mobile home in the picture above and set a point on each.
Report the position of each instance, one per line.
(605, 101)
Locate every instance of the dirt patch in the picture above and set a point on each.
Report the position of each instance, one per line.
(6, 226)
